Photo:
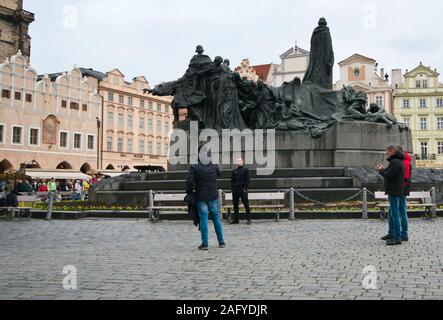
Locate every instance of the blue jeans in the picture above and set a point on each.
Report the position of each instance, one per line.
(204, 208)
(403, 215)
(395, 202)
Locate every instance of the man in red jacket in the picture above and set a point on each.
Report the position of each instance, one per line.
(407, 190)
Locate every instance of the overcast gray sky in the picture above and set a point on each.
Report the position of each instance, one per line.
(157, 38)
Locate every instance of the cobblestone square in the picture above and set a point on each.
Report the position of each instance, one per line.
(135, 259)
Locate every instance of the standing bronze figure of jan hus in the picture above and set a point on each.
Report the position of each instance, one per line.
(321, 59)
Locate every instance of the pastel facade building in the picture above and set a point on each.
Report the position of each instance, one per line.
(418, 102)
(361, 73)
(294, 63)
(136, 126)
(51, 124)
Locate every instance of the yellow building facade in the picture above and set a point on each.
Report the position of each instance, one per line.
(136, 126)
(418, 102)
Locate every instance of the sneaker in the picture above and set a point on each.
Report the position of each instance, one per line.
(203, 247)
(393, 242)
(222, 245)
(234, 222)
(388, 237)
(249, 222)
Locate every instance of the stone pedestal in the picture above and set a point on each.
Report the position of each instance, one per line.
(347, 144)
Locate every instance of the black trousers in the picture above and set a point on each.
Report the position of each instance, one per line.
(236, 196)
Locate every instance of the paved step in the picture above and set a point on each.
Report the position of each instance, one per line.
(256, 183)
(278, 173)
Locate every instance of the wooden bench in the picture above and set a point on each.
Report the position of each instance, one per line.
(21, 213)
(159, 202)
(13, 213)
(424, 196)
(262, 200)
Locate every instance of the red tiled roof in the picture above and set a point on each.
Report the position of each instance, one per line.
(263, 71)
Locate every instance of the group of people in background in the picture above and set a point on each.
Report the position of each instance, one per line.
(27, 187)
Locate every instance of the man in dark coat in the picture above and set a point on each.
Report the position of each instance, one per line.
(239, 187)
(394, 176)
(202, 183)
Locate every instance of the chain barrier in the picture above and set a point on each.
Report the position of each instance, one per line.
(323, 204)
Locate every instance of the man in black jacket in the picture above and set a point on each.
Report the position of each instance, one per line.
(202, 184)
(239, 188)
(394, 176)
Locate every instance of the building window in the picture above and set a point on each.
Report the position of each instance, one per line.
(166, 147)
(159, 148)
(77, 140)
(379, 101)
(440, 123)
(423, 123)
(142, 123)
(129, 146)
(91, 142)
(439, 103)
(109, 142)
(64, 104)
(150, 124)
(424, 149)
(17, 95)
(84, 107)
(406, 104)
(166, 108)
(111, 117)
(6, 94)
(130, 101)
(167, 126)
(141, 147)
(150, 105)
(63, 139)
(120, 145)
(149, 147)
(121, 120)
(17, 135)
(121, 99)
(111, 96)
(28, 97)
(142, 103)
(34, 136)
(440, 147)
(130, 121)
(159, 125)
(159, 107)
(423, 103)
(74, 106)
(418, 84)
(2, 133)
(407, 121)
(425, 84)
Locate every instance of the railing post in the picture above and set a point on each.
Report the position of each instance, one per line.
(220, 202)
(151, 205)
(434, 202)
(291, 205)
(365, 204)
(50, 204)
